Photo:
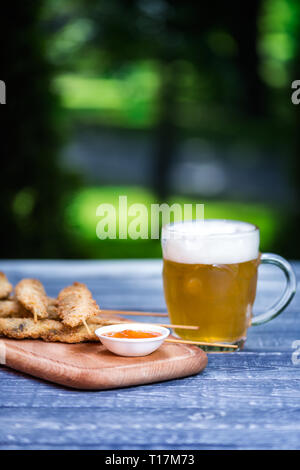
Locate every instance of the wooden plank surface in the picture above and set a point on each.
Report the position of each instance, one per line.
(246, 399)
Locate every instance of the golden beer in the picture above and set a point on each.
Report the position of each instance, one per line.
(210, 276)
(218, 298)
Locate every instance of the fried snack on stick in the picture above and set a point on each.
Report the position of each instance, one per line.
(79, 334)
(76, 305)
(52, 309)
(65, 334)
(5, 286)
(48, 330)
(22, 328)
(31, 294)
(13, 308)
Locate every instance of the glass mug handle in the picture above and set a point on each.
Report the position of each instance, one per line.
(288, 294)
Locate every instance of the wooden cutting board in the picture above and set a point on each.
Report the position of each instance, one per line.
(91, 366)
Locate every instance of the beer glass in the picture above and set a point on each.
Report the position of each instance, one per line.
(210, 276)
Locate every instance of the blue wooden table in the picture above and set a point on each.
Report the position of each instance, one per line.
(243, 400)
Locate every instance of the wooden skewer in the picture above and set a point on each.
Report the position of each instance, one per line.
(202, 343)
(134, 313)
(183, 327)
(167, 325)
(86, 326)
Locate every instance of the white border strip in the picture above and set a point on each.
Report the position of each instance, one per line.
(2, 353)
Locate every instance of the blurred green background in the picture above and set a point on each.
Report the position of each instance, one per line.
(159, 100)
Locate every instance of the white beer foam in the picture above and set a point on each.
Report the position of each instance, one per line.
(210, 242)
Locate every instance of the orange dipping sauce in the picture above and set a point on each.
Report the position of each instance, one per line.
(132, 334)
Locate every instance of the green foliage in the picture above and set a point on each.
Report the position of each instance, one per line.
(277, 40)
(127, 100)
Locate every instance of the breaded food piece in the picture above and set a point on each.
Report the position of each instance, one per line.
(66, 334)
(52, 301)
(5, 286)
(22, 328)
(31, 295)
(79, 334)
(48, 330)
(52, 310)
(76, 304)
(12, 308)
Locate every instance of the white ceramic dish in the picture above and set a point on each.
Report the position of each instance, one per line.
(132, 347)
